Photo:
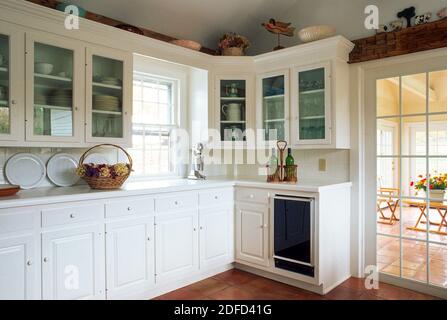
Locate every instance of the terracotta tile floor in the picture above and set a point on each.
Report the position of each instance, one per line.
(414, 259)
(239, 285)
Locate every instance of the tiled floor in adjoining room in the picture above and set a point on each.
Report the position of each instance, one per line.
(239, 285)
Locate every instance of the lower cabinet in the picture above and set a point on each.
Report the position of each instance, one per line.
(176, 248)
(216, 237)
(129, 257)
(73, 263)
(252, 233)
(19, 276)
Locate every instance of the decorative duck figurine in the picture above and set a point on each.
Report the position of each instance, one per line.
(279, 27)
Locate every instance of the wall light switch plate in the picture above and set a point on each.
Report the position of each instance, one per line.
(322, 164)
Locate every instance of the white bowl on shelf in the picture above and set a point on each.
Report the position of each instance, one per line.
(43, 68)
(315, 33)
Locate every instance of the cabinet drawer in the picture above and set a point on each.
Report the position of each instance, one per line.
(215, 198)
(252, 195)
(176, 202)
(13, 220)
(71, 214)
(130, 207)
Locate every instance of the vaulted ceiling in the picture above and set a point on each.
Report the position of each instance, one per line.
(206, 20)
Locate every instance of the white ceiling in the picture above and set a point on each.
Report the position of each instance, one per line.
(206, 20)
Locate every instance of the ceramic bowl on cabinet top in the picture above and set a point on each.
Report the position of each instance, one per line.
(187, 44)
(315, 33)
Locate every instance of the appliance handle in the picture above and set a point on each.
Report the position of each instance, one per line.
(294, 198)
(293, 260)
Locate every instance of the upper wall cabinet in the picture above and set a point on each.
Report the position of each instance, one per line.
(109, 95)
(11, 83)
(232, 108)
(54, 77)
(311, 105)
(273, 99)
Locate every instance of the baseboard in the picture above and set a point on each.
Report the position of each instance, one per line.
(161, 289)
(279, 278)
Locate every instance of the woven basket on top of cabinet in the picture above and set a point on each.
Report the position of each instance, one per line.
(104, 176)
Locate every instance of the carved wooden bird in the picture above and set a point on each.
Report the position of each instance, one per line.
(279, 27)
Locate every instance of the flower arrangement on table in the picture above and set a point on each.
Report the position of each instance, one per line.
(232, 44)
(436, 182)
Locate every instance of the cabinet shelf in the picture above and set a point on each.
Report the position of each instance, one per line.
(277, 96)
(226, 121)
(312, 117)
(312, 91)
(4, 103)
(107, 86)
(274, 120)
(232, 98)
(51, 77)
(115, 113)
(45, 106)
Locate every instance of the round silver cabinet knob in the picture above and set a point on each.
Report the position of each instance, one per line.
(29, 262)
(72, 215)
(216, 197)
(176, 202)
(129, 209)
(13, 101)
(46, 259)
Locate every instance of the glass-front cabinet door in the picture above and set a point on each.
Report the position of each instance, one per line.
(109, 78)
(11, 83)
(273, 97)
(232, 104)
(311, 105)
(55, 72)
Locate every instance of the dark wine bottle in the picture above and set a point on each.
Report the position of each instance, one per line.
(289, 160)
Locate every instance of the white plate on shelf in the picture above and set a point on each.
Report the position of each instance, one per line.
(25, 170)
(96, 158)
(61, 170)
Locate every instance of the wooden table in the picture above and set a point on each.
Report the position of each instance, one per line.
(440, 207)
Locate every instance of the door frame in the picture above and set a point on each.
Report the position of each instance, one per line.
(363, 160)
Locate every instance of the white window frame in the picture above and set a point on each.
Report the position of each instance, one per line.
(176, 124)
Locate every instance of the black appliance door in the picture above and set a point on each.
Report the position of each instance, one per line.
(292, 229)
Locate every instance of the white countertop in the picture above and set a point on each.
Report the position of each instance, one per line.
(48, 195)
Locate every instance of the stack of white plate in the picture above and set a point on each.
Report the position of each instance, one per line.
(106, 102)
(61, 97)
(111, 81)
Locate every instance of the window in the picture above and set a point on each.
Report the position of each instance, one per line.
(153, 121)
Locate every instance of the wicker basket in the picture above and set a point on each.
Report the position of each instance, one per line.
(105, 183)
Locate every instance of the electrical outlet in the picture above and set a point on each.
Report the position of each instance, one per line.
(322, 164)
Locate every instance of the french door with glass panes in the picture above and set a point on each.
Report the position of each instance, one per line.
(12, 102)
(55, 72)
(108, 96)
(273, 98)
(411, 200)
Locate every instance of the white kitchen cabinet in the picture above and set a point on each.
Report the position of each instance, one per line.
(252, 236)
(73, 263)
(55, 73)
(176, 245)
(216, 236)
(272, 92)
(12, 87)
(130, 257)
(108, 96)
(19, 271)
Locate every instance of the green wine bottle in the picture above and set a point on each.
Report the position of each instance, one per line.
(289, 160)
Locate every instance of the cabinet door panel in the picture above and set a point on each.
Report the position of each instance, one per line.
(12, 88)
(73, 263)
(108, 95)
(18, 269)
(252, 233)
(216, 237)
(176, 245)
(130, 256)
(55, 75)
